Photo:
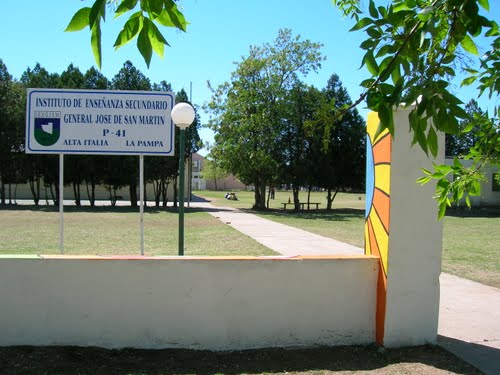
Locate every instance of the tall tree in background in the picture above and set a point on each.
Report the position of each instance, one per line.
(191, 138)
(460, 144)
(11, 130)
(412, 49)
(160, 171)
(343, 144)
(212, 170)
(124, 169)
(94, 165)
(247, 119)
(73, 78)
(297, 161)
(39, 166)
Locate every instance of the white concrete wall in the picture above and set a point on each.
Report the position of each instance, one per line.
(195, 303)
(415, 245)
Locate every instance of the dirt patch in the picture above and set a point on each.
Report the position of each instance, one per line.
(335, 360)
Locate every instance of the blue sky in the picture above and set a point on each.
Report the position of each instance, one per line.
(220, 33)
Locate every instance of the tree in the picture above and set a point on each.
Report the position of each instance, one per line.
(72, 78)
(128, 78)
(342, 148)
(458, 145)
(295, 142)
(247, 109)
(192, 140)
(212, 170)
(12, 101)
(41, 166)
(94, 170)
(412, 50)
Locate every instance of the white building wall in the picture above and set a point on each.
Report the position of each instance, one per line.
(488, 197)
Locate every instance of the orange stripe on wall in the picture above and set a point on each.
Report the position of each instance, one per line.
(381, 202)
(381, 304)
(382, 150)
(381, 288)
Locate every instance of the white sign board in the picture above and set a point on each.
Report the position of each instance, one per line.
(99, 122)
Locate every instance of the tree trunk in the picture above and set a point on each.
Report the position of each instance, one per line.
(91, 193)
(2, 192)
(296, 200)
(330, 197)
(133, 194)
(164, 192)
(35, 190)
(76, 194)
(157, 192)
(259, 196)
(112, 196)
(55, 196)
(176, 192)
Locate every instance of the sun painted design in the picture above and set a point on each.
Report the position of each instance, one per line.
(378, 178)
(377, 215)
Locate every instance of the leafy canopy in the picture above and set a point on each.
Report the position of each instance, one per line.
(414, 48)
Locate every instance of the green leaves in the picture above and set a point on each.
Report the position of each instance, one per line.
(371, 63)
(97, 12)
(124, 7)
(361, 24)
(144, 43)
(80, 20)
(140, 24)
(130, 30)
(468, 44)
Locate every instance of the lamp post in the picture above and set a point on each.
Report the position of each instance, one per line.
(183, 117)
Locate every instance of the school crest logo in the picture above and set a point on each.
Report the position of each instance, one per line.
(47, 130)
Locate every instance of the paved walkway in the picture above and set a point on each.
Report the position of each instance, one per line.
(469, 314)
(281, 238)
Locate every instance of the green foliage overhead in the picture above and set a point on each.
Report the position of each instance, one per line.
(414, 49)
(141, 24)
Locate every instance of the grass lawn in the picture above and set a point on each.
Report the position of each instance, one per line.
(471, 245)
(115, 231)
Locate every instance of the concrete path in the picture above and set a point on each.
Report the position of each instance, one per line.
(469, 322)
(283, 239)
(469, 314)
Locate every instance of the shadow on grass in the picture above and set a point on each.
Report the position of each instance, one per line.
(150, 209)
(340, 214)
(486, 212)
(342, 359)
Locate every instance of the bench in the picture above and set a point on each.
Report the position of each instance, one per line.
(302, 205)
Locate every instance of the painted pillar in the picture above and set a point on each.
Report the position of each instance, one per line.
(401, 228)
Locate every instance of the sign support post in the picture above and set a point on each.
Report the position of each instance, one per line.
(141, 202)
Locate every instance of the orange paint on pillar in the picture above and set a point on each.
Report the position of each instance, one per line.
(381, 202)
(382, 151)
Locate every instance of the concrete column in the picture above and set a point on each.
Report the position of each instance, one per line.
(403, 230)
